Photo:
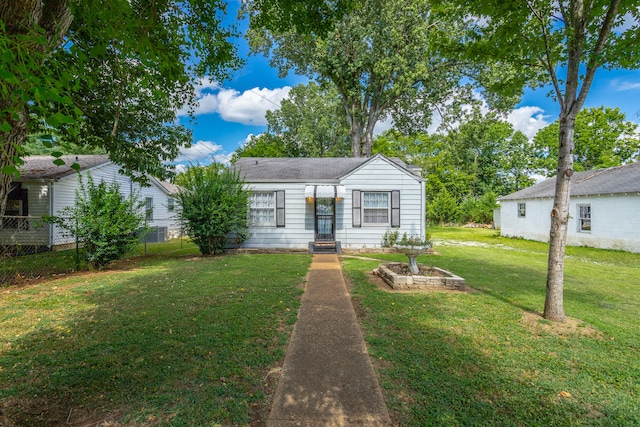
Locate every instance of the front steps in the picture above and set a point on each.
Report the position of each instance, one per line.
(325, 248)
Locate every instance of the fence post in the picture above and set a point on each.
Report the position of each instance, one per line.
(77, 247)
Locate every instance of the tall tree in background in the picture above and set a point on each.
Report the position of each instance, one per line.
(566, 41)
(107, 73)
(310, 123)
(385, 57)
(602, 138)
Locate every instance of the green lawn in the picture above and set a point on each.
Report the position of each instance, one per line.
(483, 358)
(165, 339)
(175, 339)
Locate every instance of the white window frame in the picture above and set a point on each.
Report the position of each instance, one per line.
(584, 216)
(365, 208)
(522, 210)
(171, 204)
(148, 208)
(253, 209)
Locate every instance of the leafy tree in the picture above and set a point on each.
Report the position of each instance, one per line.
(442, 208)
(603, 138)
(385, 57)
(214, 205)
(106, 73)
(559, 44)
(310, 123)
(263, 145)
(103, 221)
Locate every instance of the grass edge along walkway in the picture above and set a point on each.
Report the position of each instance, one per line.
(327, 377)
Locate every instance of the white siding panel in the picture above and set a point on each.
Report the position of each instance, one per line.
(37, 233)
(615, 221)
(299, 215)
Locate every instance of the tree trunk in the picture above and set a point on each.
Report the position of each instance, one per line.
(10, 142)
(20, 18)
(554, 304)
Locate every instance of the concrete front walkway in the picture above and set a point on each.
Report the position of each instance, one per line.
(327, 378)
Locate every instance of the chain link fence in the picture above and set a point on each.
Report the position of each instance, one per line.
(31, 248)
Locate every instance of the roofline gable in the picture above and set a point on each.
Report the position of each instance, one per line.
(388, 161)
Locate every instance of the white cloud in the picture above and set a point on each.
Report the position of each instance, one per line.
(202, 152)
(621, 86)
(382, 125)
(528, 120)
(248, 107)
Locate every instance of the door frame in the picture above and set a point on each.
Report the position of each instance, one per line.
(332, 236)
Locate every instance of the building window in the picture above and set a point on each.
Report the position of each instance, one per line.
(148, 208)
(17, 207)
(522, 210)
(262, 210)
(171, 204)
(375, 208)
(584, 218)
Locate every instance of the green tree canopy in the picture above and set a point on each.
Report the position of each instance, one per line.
(385, 57)
(603, 138)
(310, 123)
(559, 44)
(106, 73)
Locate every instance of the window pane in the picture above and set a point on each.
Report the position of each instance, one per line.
(376, 200)
(263, 209)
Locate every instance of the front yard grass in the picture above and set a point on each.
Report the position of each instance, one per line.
(157, 340)
(487, 358)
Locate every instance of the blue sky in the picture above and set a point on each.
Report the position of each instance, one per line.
(230, 111)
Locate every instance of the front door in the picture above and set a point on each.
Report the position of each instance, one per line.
(325, 219)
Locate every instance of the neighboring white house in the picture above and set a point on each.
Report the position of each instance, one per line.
(604, 209)
(346, 203)
(44, 188)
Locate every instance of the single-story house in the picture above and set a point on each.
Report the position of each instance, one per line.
(45, 189)
(341, 203)
(604, 209)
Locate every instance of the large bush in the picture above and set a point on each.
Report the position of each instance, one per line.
(214, 207)
(103, 221)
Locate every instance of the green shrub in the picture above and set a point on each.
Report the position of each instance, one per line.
(389, 238)
(103, 221)
(214, 206)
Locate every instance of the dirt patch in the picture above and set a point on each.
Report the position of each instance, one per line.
(43, 412)
(403, 270)
(539, 325)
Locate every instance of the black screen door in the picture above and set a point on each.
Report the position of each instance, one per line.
(325, 219)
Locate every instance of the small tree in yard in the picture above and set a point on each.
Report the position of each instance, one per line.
(103, 221)
(214, 205)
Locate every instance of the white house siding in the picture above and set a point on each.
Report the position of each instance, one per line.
(379, 175)
(64, 193)
(615, 221)
(299, 229)
(37, 233)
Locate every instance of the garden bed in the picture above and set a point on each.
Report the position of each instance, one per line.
(397, 275)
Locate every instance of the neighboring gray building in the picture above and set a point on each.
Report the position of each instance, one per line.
(604, 208)
(344, 202)
(44, 188)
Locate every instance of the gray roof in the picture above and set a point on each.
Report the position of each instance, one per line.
(615, 180)
(169, 187)
(42, 167)
(301, 169)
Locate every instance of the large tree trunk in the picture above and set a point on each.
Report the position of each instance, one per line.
(554, 304)
(22, 17)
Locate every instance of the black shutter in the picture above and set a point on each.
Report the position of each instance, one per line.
(280, 208)
(356, 209)
(395, 208)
